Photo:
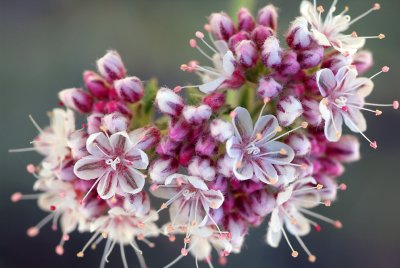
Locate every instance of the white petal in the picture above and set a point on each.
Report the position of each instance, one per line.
(212, 85)
(89, 168)
(98, 144)
(120, 142)
(243, 123)
(284, 195)
(215, 198)
(107, 185)
(273, 238)
(131, 181)
(197, 183)
(228, 63)
(326, 81)
(320, 38)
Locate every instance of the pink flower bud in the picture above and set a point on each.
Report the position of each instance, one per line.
(311, 111)
(197, 115)
(299, 143)
(330, 187)
(336, 61)
(246, 53)
(245, 210)
(77, 99)
(111, 67)
(271, 52)
(363, 61)
(262, 203)
(215, 100)
(203, 168)
(289, 65)
(268, 87)
(96, 85)
(288, 109)
(206, 146)
(167, 147)
(311, 57)
(77, 143)
(260, 34)
(306, 167)
(186, 153)
(161, 168)
(118, 106)
(66, 171)
(268, 16)
(236, 81)
(94, 123)
(236, 38)
(221, 25)
(115, 122)
(178, 130)
(298, 36)
(146, 137)
(100, 107)
(129, 89)
(331, 167)
(169, 102)
(238, 229)
(225, 166)
(245, 20)
(346, 150)
(221, 130)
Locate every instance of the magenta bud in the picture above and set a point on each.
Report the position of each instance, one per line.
(287, 110)
(245, 20)
(178, 130)
(215, 100)
(96, 85)
(311, 111)
(77, 99)
(221, 130)
(299, 143)
(167, 147)
(336, 61)
(146, 137)
(197, 115)
(236, 81)
(346, 150)
(271, 52)
(206, 146)
(246, 53)
(186, 153)
(331, 167)
(311, 57)
(225, 166)
(203, 168)
(236, 38)
(330, 186)
(260, 34)
(100, 107)
(289, 65)
(262, 203)
(169, 102)
(298, 36)
(94, 123)
(221, 25)
(161, 168)
(118, 106)
(363, 61)
(111, 67)
(66, 171)
(268, 87)
(77, 143)
(268, 16)
(115, 122)
(129, 89)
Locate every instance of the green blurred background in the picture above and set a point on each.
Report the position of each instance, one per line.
(46, 44)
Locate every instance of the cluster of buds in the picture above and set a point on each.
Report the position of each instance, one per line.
(261, 141)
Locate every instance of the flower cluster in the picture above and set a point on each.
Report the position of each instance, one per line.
(259, 140)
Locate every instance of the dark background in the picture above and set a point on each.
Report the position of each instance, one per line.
(46, 44)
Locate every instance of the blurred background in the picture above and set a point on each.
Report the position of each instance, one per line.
(46, 44)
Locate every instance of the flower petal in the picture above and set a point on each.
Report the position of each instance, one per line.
(265, 171)
(89, 168)
(131, 181)
(197, 183)
(107, 185)
(326, 82)
(215, 198)
(320, 38)
(267, 126)
(243, 123)
(364, 86)
(243, 170)
(302, 226)
(212, 85)
(277, 152)
(120, 142)
(228, 63)
(273, 238)
(284, 195)
(233, 147)
(355, 120)
(333, 128)
(138, 159)
(98, 145)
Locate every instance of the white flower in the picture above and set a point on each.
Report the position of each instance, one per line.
(113, 162)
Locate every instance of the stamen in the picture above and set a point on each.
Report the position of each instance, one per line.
(395, 104)
(110, 250)
(376, 6)
(311, 257)
(373, 144)
(35, 124)
(302, 125)
(335, 223)
(80, 254)
(122, 250)
(384, 69)
(90, 190)
(294, 252)
(200, 35)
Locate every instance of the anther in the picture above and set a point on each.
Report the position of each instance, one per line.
(184, 252)
(59, 250)
(16, 197)
(193, 43)
(378, 112)
(395, 104)
(327, 203)
(164, 206)
(338, 224)
(186, 240)
(319, 186)
(177, 89)
(304, 124)
(381, 36)
(376, 6)
(171, 238)
(385, 69)
(199, 35)
(282, 151)
(373, 145)
(32, 232)
(31, 168)
(342, 186)
(80, 254)
(52, 208)
(207, 27)
(295, 254)
(320, 9)
(312, 258)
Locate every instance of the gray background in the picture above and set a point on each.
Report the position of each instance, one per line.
(46, 44)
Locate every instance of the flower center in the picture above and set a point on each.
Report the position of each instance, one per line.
(341, 101)
(252, 149)
(113, 163)
(188, 194)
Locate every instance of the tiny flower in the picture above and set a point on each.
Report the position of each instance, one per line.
(197, 115)
(129, 89)
(206, 145)
(221, 130)
(346, 150)
(238, 229)
(96, 85)
(161, 168)
(115, 122)
(118, 106)
(289, 65)
(237, 38)
(77, 143)
(111, 67)
(167, 146)
(224, 166)
(247, 54)
(298, 36)
(146, 137)
(288, 109)
(221, 25)
(311, 57)
(94, 122)
(300, 144)
(202, 167)
(262, 203)
(245, 20)
(268, 87)
(186, 153)
(271, 52)
(260, 34)
(169, 102)
(113, 162)
(363, 61)
(311, 111)
(254, 149)
(268, 16)
(215, 100)
(77, 99)
(178, 130)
